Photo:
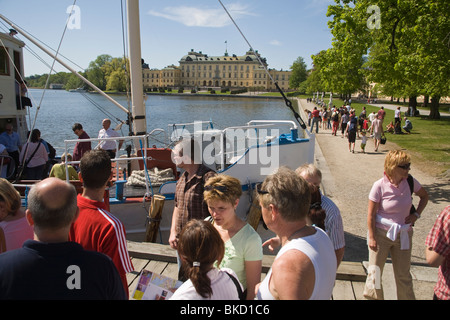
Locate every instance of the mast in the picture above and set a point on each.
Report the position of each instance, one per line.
(63, 64)
(134, 51)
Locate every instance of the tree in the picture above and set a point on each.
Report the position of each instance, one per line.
(407, 43)
(299, 73)
(95, 72)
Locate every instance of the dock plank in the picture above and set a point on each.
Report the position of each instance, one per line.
(343, 290)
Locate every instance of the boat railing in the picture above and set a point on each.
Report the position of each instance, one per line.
(140, 142)
(232, 142)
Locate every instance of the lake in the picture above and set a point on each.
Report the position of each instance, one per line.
(60, 109)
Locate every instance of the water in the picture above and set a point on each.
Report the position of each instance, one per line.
(61, 109)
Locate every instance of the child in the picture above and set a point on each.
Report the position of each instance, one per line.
(363, 141)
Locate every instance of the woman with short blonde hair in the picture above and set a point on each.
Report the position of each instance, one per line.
(390, 219)
(243, 246)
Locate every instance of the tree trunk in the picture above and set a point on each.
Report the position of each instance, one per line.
(434, 108)
(412, 105)
(425, 101)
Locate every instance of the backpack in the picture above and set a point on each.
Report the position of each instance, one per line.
(353, 124)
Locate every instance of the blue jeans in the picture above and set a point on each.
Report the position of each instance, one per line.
(315, 121)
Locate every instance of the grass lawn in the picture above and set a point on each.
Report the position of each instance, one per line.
(428, 143)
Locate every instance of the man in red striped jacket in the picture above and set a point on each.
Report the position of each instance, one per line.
(96, 229)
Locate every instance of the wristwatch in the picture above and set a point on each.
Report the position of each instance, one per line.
(417, 215)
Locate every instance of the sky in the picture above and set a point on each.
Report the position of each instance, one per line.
(281, 30)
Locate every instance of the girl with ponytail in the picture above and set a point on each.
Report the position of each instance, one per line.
(200, 246)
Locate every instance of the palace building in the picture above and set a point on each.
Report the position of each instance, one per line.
(198, 70)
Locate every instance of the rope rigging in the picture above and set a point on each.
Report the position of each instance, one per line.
(286, 100)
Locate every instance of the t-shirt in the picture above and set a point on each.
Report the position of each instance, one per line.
(222, 286)
(57, 271)
(245, 245)
(98, 230)
(16, 233)
(394, 202)
(59, 171)
(439, 241)
(81, 147)
(319, 249)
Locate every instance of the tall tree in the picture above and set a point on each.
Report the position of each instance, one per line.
(299, 73)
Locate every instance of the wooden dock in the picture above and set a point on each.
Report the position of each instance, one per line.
(162, 259)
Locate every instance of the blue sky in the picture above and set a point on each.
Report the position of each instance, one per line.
(280, 30)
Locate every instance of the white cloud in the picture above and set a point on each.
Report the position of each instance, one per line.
(199, 17)
(275, 43)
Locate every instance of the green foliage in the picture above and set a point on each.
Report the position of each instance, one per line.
(299, 73)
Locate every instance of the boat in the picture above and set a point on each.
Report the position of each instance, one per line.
(248, 151)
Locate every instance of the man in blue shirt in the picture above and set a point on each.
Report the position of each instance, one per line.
(51, 267)
(11, 140)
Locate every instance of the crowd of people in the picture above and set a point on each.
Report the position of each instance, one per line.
(61, 234)
(36, 158)
(352, 126)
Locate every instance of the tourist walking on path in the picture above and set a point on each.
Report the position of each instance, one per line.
(315, 116)
(243, 245)
(351, 131)
(390, 220)
(377, 131)
(438, 253)
(344, 121)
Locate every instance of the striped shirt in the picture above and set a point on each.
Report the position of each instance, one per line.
(333, 223)
(439, 241)
(98, 230)
(189, 196)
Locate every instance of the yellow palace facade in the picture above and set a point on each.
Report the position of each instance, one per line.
(197, 70)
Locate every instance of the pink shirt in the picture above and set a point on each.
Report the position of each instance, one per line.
(16, 232)
(394, 202)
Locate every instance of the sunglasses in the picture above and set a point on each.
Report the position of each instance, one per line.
(219, 188)
(259, 190)
(405, 166)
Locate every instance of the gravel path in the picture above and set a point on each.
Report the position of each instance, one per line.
(348, 178)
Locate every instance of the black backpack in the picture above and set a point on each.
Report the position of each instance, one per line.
(353, 124)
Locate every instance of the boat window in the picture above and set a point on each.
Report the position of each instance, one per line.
(4, 62)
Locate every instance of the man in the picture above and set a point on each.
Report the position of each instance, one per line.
(438, 253)
(315, 115)
(381, 114)
(11, 140)
(189, 202)
(96, 229)
(109, 145)
(408, 125)
(333, 220)
(305, 266)
(377, 131)
(50, 267)
(81, 146)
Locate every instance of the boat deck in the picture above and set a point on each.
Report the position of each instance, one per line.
(162, 259)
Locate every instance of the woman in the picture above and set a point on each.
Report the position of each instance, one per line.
(12, 219)
(390, 222)
(200, 246)
(34, 156)
(243, 247)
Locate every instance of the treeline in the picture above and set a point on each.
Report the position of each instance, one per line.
(397, 48)
(106, 72)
